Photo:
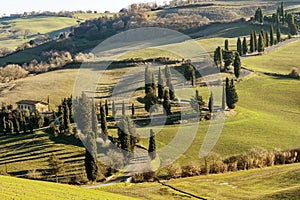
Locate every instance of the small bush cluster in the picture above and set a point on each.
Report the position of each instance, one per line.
(257, 157)
(294, 73)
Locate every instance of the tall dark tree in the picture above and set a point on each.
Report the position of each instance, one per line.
(245, 46)
(282, 10)
(211, 103)
(278, 35)
(231, 94)
(150, 100)
(104, 128)
(223, 99)
(228, 59)
(252, 46)
(167, 103)
(152, 145)
(271, 35)
(197, 102)
(94, 119)
(65, 117)
(106, 107)
(153, 84)
(90, 160)
(237, 65)
(267, 40)
(261, 45)
(123, 134)
(218, 58)
(161, 84)
(255, 40)
(83, 113)
(189, 73)
(56, 166)
(123, 105)
(148, 79)
(259, 17)
(239, 46)
(168, 76)
(113, 109)
(226, 45)
(172, 91)
(132, 109)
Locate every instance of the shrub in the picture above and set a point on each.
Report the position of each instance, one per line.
(285, 157)
(215, 164)
(143, 177)
(294, 73)
(173, 171)
(33, 174)
(259, 156)
(193, 169)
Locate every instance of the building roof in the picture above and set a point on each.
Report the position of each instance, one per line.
(31, 102)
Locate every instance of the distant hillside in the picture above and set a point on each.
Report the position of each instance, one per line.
(16, 31)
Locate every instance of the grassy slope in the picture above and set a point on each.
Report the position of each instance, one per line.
(87, 16)
(57, 84)
(22, 153)
(15, 188)
(279, 182)
(278, 61)
(42, 25)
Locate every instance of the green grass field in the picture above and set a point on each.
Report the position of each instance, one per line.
(12, 31)
(87, 16)
(279, 182)
(16, 188)
(57, 84)
(22, 153)
(281, 60)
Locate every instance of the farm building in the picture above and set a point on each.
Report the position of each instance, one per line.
(33, 105)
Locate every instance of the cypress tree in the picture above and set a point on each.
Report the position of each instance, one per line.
(152, 145)
(197, 102)
(55, 166)
(255, 41)
(94, 119)
(261, 47)
(167, 103)
(226, 45)
(171, 91)
(271, 35)
(103, 122)
(218, 58)
(252, 48)
(278, 35)
(228, 59)
(160, 85)
(123, 106)
(211, 103)
(153, 85)
(168, 76)
(150, 100)
(237, 65)
(223, 99)
(231, 95)
(66, 117)
(239, 46)
(147, 80)
(123, 134)
(282, 11)
(132, 109)
(90, 160)
(267, 39)
(189, 73)
(85, 113)
(106, 107)
(245, 46)
(113, 108)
